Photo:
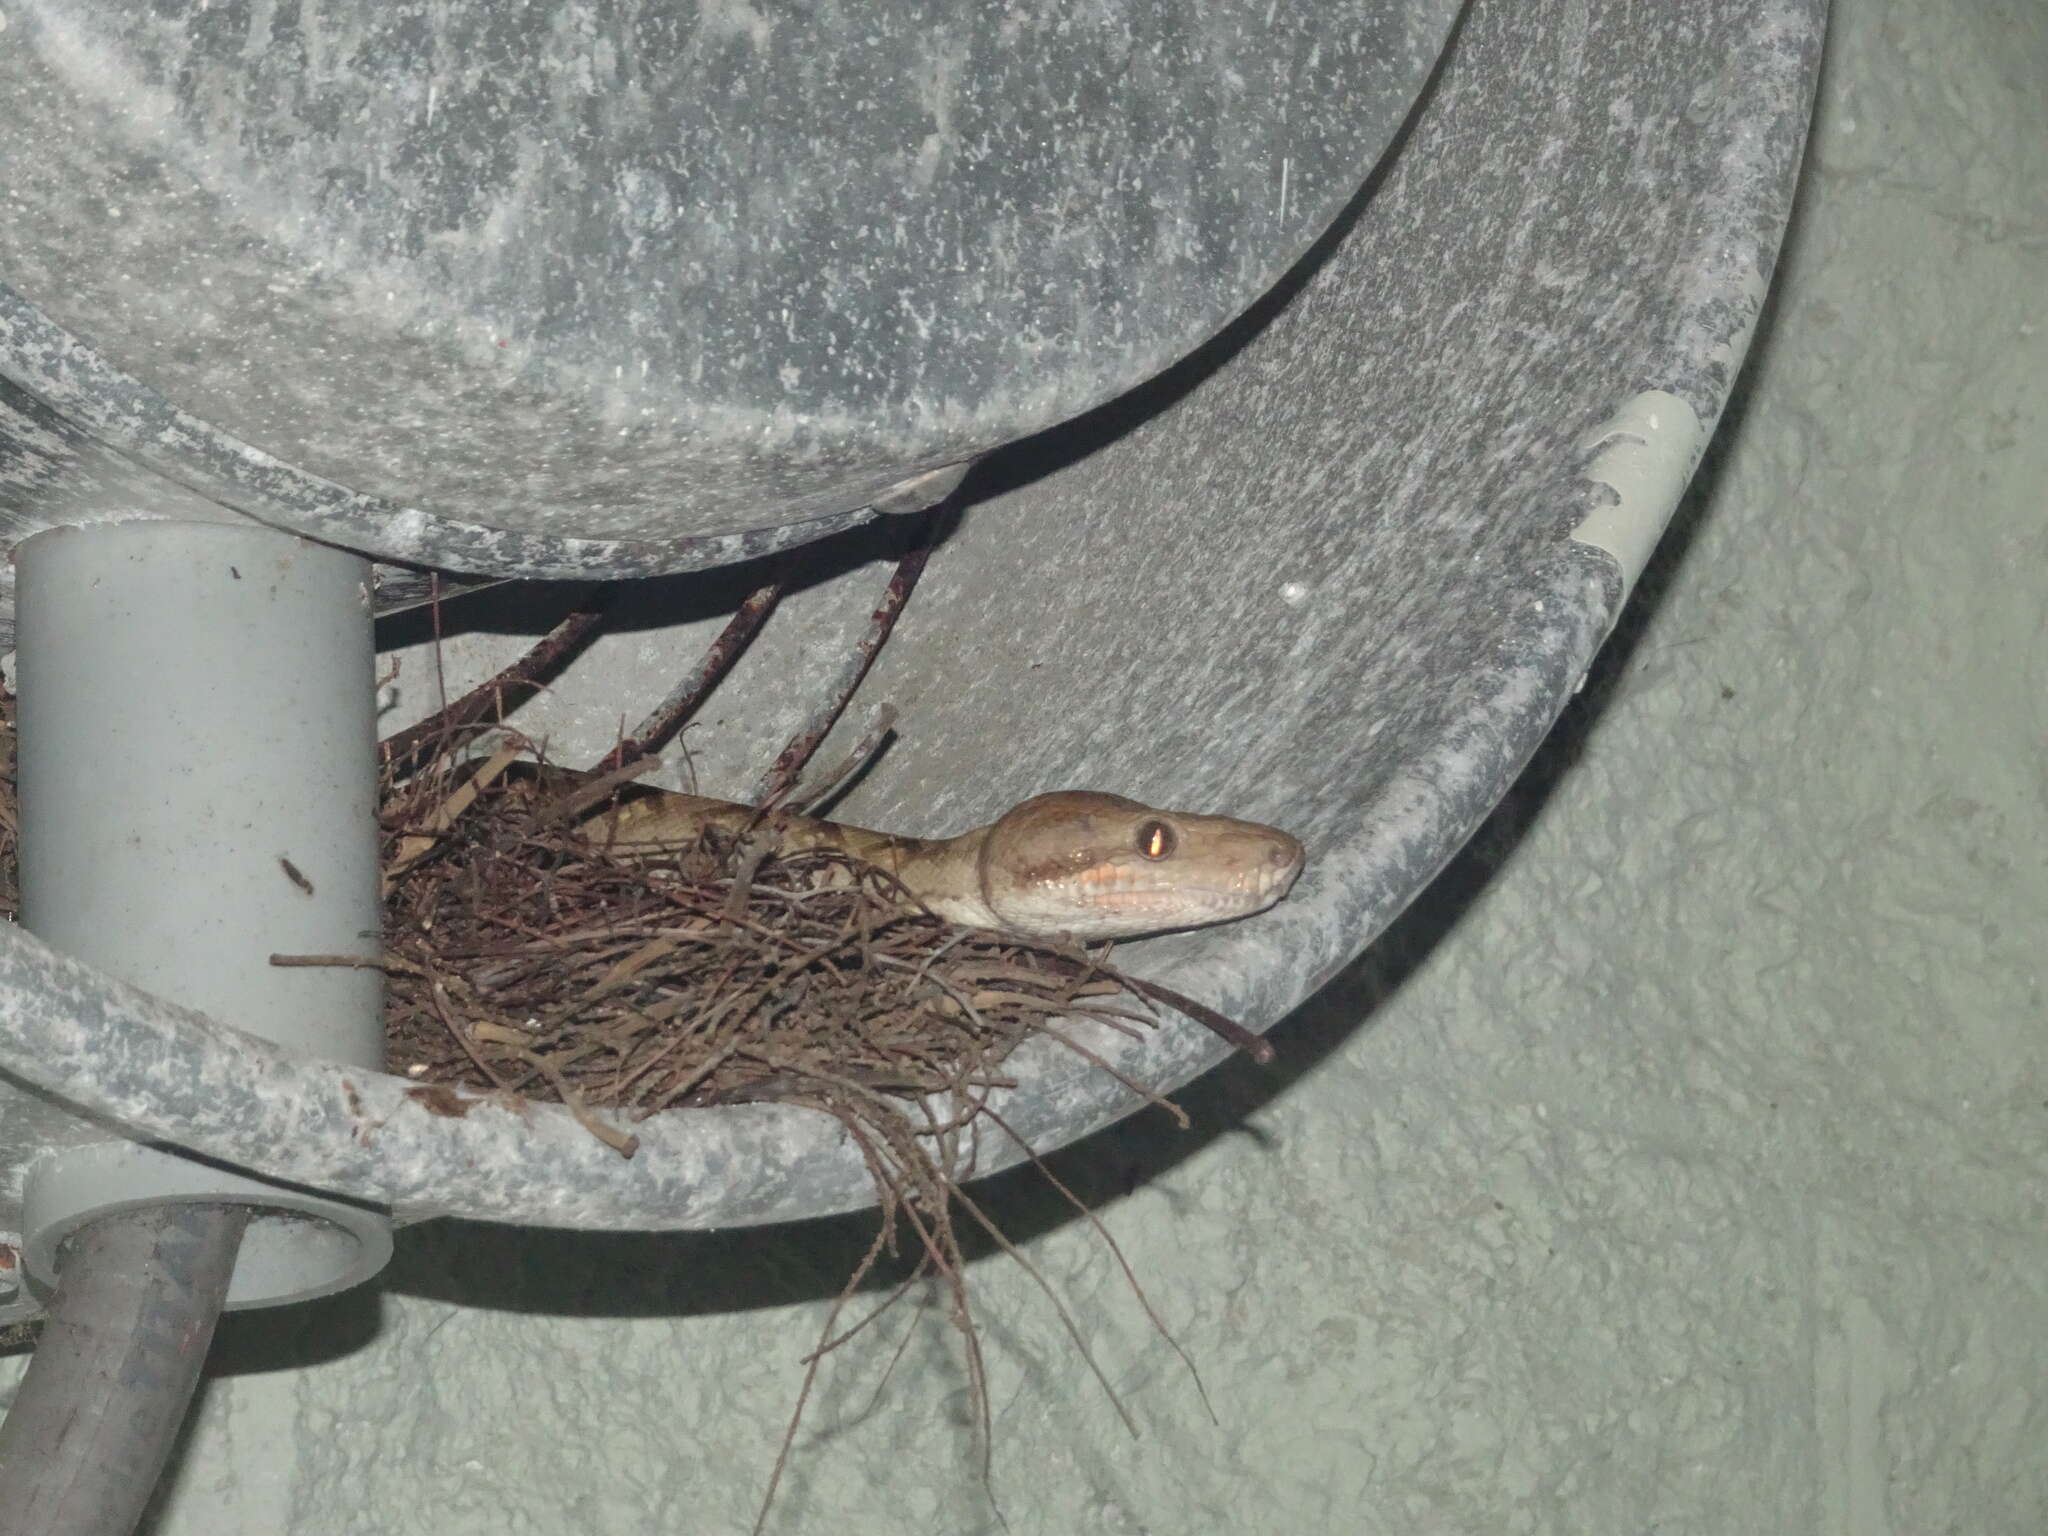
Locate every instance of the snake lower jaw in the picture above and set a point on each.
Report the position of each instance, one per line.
(1134, 912)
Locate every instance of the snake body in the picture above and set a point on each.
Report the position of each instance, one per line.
(1076, 862)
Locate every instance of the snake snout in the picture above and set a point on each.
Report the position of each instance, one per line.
(1261, 873)
(1284, 857)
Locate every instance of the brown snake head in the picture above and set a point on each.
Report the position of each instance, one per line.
(1099, 866)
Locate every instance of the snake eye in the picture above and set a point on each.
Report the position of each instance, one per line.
(1156, 839)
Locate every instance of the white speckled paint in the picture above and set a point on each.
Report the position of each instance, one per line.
(709, 272)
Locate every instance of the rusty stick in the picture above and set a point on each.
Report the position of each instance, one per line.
(1221, 1025)
(490, 701)
(683, 701)
(782, 775)
(810, 796)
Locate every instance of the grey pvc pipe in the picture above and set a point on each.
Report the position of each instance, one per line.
(197, 783)
(98, 1411)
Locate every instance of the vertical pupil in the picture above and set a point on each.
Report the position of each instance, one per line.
(1155, 840)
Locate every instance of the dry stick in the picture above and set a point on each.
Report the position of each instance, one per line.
(489, 702)
(932, 957)
(942, 1252)
(1101, 1231)
(385, 962)
(676, 1090)
(782, 774)
(1066, 1318)
(622, 1142)
(734, 1007)
(1123, 1023)
(750, 855)
(1138, 1089)
(884, 1241)
(683, 700)
(1221, 1025)
(895, 1355)
(830, 1342)
(934, 1230)
(415, 846)
(437, 994)
(593, 791)
(880, 724)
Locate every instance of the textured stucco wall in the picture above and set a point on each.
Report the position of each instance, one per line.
(1680, 1164)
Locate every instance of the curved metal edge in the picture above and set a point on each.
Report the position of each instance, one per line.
(1760, 120)
(301, 1244)
(1351, 894)
(65, 372)
(430, 1151)
(72, 379)
(116, 1052)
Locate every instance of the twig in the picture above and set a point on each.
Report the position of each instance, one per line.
(987, 1224)
(683, 701)
(806, 800)
(416, 846)
(594, 792)
(1097, 1061)
(781, 776)
(1116, 1250)
(437, 992)
(489, 702)
(354, 962)
(622, 1142)
(884, 1239)
(1223, 1026)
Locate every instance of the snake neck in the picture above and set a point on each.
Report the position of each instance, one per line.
(943, 875)
(946, 873)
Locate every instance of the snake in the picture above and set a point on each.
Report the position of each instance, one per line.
(1076, 863)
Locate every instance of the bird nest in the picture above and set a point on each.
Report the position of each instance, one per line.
(525, 956)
